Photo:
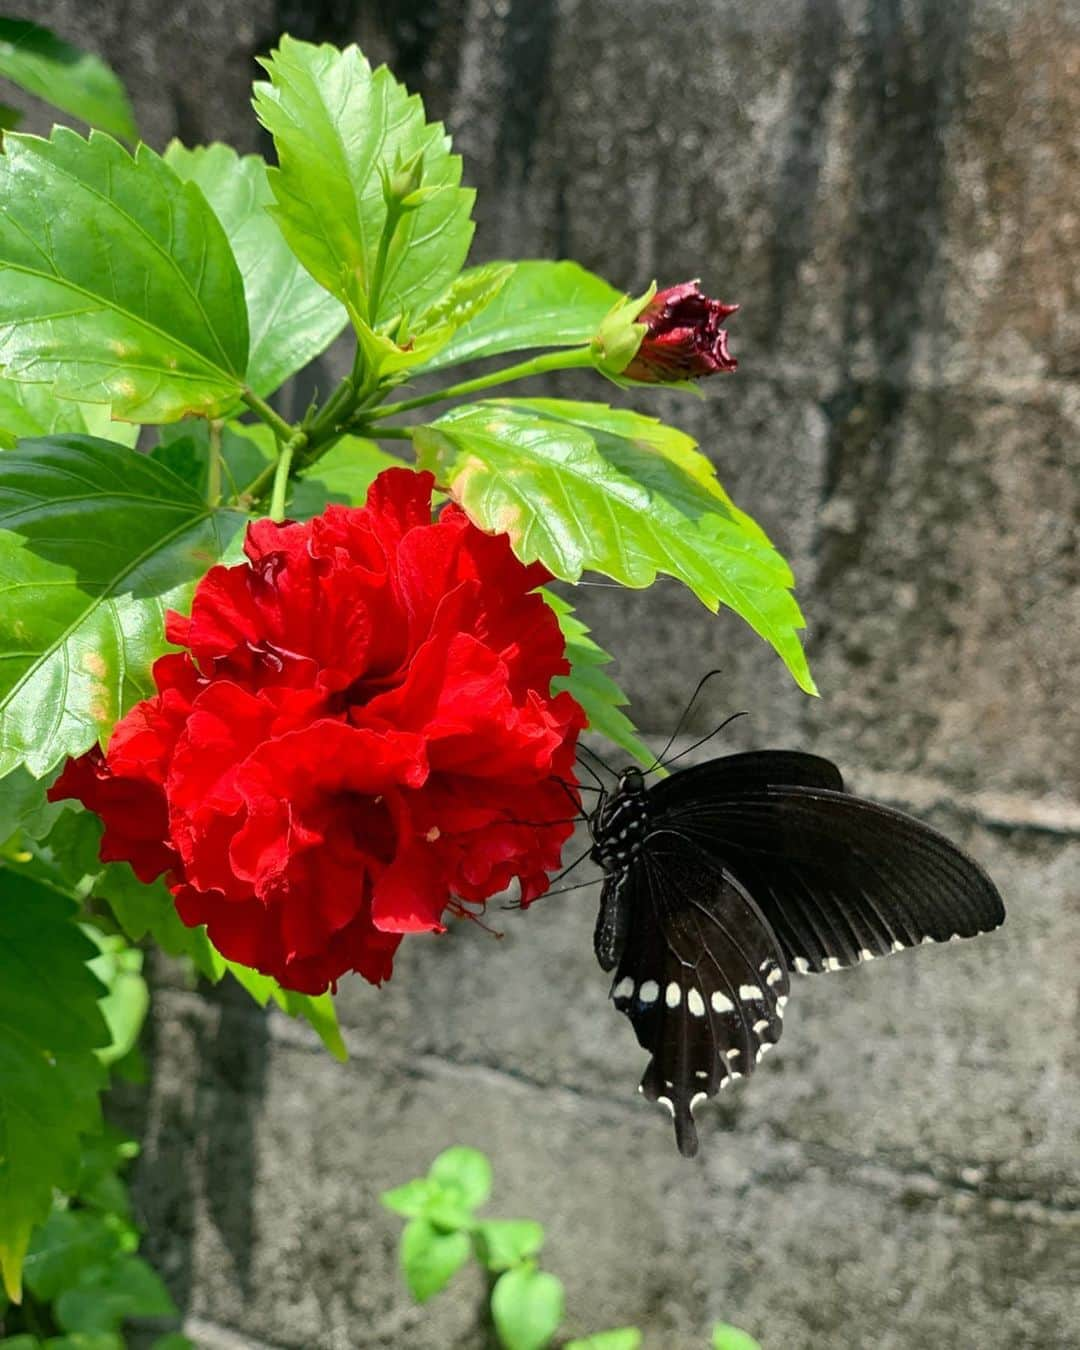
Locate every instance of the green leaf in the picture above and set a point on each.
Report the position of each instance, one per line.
(74, 81)
(725, 1337)
(506, 1242)
(118, 285)
(290, 317)
(621, 1338)
(68, 1242)
(597, 692)
(119, 968)
(102, 1158)
(101, 1340)
(143, 909)
(583, 487)
(410, 1200)
(527, 1307)
(334, 124)
(316, 1009)
(24, 808)
(96, 542)
(414, 345)
(429, 1259)
(542, 304)
(34, 410)
(50, 1024)
(110, 1293)
(466, 1171)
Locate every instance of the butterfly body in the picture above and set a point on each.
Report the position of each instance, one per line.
(723, 879)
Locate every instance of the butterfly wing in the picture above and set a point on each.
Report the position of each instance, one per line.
(839, 879)
(700, 975)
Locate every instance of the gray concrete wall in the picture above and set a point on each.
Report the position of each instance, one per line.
(890, 187)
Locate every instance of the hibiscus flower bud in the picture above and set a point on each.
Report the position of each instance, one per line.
(357, 737)
(683, 338)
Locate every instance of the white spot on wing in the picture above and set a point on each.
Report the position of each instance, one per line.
(649, 991)
(666, 1101)
(831, 963)
(721, 1003)
(696, 1098)
(624, 988)
(761, 1026)
(695, 1003)
(749, 991)
(701, 1073)
(865, 954)
(774, 976)
(672, 995)
(802, 965)
(897, 947)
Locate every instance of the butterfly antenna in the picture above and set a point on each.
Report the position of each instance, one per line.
(602, 762)
(590, 770)
(715, 732)
(658, 762)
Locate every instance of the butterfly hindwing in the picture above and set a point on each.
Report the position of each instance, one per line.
(700, 975)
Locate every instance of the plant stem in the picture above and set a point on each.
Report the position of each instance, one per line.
(213, 468)
(263, 410)
(389, 433)
(281, 480)
(574, 359)
(390, 224)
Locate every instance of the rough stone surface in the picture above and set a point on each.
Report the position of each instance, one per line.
(890, 188)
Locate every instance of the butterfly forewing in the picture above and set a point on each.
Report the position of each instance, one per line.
(839, 879)
(701, 977)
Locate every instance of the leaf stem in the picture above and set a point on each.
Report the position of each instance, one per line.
(213, 468)
(390, 224)
(265, 413)
(390, 433)
(575, 359)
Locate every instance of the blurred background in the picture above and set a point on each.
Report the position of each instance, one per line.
(891, 189)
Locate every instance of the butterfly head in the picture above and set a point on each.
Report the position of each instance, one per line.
(619, 823)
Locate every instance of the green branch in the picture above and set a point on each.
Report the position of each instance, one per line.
(576, 359)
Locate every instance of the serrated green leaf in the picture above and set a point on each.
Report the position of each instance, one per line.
(503, 1243)
(147, 909)
(117, 283)
(50, 1024)
(74, 81)
(96, 542)
(410, 1200)
(334, 123)
(316, 1009)
(578, 493)
(726, 1337)
(466, 1171)
(34, 410)
(594, 690)
(429, 1259)
(108, 1294)
(620, 1338)
(290, 317)
(527, 1307)
(542, 304)
(125, 1005)
(66, 1244)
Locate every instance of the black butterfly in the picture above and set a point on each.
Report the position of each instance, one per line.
(722, 879)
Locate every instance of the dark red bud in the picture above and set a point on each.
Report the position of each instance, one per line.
(684, 340)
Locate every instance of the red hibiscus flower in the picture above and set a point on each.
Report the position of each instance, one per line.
(684, 340)
(352, 742)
